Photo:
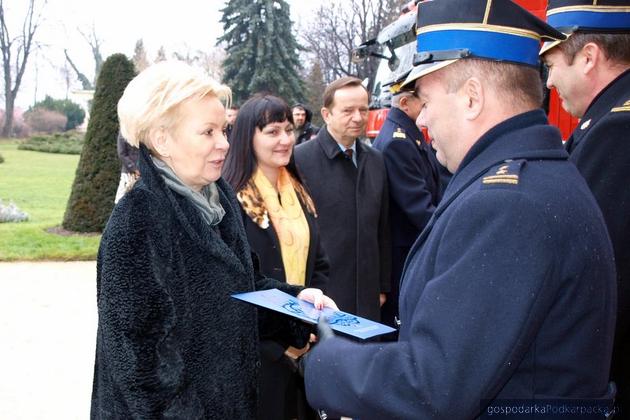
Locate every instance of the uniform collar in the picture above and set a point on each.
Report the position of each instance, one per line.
(403, 120)
(601, 105)
(524, 136)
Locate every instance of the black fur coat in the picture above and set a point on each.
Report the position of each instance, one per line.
(171, 342)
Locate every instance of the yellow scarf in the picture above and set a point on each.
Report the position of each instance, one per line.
(288, 221)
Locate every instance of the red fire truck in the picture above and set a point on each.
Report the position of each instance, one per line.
(395, 45)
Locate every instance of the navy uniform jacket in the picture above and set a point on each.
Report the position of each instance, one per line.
(600, 148)
(508, 293)
(414, 191)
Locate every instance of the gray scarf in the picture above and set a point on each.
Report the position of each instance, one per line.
(207, 201)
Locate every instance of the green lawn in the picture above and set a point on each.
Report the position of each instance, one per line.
(39, 184)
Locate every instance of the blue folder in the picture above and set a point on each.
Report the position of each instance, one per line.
(340, 321)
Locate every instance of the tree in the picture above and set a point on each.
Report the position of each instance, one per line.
(21, 45)
(341, 26)
(262, 53)
(96, 179)
(44, 120)
(95, 45)
(85, 82)
(314, 88)
(140, 60)
(74, 113)
(161, 55)
(211, 61)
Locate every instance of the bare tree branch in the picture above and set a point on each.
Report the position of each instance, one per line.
(95, 45)
(340, 26)
(22, 45)
(87, 85)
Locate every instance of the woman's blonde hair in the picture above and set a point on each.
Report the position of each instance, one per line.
(152, 98)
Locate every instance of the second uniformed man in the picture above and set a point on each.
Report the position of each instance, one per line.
(509, 292)
(413, 176)
(591, 72)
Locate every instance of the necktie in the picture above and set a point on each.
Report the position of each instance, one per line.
(348, 153)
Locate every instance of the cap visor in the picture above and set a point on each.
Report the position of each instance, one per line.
(552, 44)
(548, 45)
(424, 69)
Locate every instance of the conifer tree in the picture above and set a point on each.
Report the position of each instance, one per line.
(139, 59)
(262, 53)
(94, 188)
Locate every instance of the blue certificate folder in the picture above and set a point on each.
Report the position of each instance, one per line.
(342, 322)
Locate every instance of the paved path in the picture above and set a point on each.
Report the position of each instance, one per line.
(47, 336)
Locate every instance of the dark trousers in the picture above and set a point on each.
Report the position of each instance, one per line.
(281, 394)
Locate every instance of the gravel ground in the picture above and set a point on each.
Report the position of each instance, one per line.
(47, 336)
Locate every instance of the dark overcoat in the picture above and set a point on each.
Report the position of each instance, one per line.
(352, 206)
(509, 293)
(171, 342)
(414, 191)
(277, 374)
(600, 148)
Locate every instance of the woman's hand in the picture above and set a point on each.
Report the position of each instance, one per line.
(317, 298)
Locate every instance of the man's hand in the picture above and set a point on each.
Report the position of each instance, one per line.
(324, 332)
(382, 298)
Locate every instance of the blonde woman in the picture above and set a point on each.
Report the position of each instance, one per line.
(171, 341)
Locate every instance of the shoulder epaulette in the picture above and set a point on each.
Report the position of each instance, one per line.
(623, 108)
(506, 173)
(399, 134)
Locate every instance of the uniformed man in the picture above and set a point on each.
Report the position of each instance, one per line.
(413, 177)
(509, 292)
(591, 72)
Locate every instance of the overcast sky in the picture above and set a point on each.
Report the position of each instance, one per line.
(176, 25)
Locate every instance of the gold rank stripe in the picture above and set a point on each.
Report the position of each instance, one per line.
(502, 176)
(625, 108)
(479, 27)
(500, 181)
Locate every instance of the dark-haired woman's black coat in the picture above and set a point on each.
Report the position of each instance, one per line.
(171, 342)
(276, 373)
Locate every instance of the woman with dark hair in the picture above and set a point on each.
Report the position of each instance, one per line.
(279, 218)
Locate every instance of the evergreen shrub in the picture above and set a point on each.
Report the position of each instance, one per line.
(70, 143)
(96, 180)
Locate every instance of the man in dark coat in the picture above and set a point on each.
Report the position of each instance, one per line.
(304, 129)
(348, 184)
(591, 72)
(509, 292)
(414, 181)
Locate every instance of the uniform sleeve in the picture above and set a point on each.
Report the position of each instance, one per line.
(136, 321)
(408, 187)
(467, 332)
(605, 164)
